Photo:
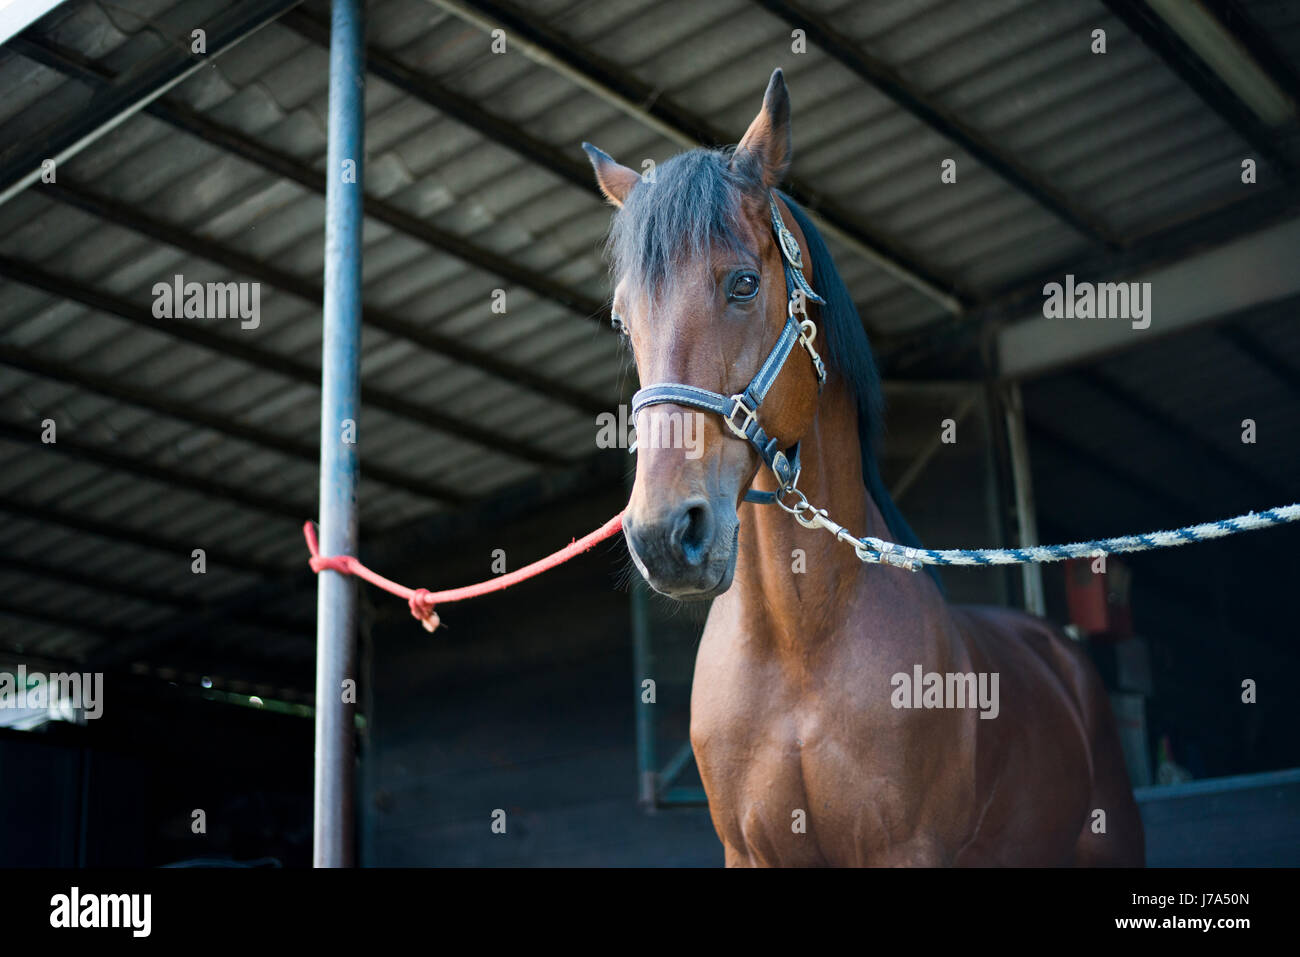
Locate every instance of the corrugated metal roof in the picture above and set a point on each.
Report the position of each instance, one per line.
(1119, 135)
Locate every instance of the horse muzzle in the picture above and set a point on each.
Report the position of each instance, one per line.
(686, 551)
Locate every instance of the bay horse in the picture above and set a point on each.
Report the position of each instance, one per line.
(810, 750)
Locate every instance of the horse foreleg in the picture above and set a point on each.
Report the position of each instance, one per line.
(736, 858)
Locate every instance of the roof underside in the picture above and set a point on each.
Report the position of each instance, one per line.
(183, 434)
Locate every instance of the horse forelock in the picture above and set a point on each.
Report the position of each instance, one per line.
(690, 209)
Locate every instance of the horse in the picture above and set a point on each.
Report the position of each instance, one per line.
(812, 746)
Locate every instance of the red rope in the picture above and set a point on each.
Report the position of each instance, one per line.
(422, 601)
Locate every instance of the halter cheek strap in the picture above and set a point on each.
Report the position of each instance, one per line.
(740, 411)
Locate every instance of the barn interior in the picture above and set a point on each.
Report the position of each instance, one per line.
(958, 158)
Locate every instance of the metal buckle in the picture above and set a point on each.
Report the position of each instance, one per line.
(790, 246)
(738, 405)
(780, 464)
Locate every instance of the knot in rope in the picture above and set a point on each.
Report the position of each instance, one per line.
(421, 605)
(337, 563)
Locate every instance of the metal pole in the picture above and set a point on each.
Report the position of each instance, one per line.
(336, 606)
(1024, 489)
(647, 778)
(642, 665)
(994, 497)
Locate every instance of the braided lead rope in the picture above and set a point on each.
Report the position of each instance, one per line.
(875, 550)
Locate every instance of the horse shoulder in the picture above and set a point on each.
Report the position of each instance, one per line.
(1035, 762)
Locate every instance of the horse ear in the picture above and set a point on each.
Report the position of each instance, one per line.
(764, 151)
(615, 180)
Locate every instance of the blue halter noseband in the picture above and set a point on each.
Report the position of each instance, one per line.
(740, 411)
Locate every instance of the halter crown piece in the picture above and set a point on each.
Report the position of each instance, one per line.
(740, 411)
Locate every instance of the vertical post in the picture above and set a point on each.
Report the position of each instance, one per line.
(647, 777)
(1032, 575)
(642, 664)
(336, 605)
(995, 497)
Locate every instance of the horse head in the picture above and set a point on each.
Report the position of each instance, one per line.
(700, 292)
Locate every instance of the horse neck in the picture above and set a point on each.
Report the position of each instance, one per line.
(796, 608)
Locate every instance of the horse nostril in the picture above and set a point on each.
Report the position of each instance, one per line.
(695, 531)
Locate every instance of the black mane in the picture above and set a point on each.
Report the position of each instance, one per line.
(693, 207)
(848, 353)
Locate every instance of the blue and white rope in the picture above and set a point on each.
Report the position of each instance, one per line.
(891, 553)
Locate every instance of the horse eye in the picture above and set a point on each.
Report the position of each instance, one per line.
(616, 321)
(744, 287)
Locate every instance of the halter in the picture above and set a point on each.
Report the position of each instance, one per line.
(740, 411)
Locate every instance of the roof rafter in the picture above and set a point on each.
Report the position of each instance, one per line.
(572, 169)
(1204, 229)
(129, 217)
(888, 81)
(118, 391)
(32, 275)
(189, 605)
(73, 447)
(658, 112)
(119, 101)
(1152, 30)
(291, 168)
(139, 537)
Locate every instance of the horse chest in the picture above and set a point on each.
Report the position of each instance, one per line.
(786, 790)
(804, 769)
(787, 773)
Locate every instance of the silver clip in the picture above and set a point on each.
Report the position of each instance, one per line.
(807, 332)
